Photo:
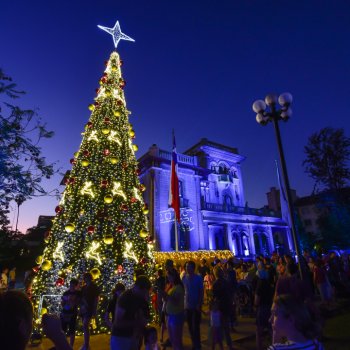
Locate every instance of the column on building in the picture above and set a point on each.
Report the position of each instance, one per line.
(251, 239)
(270, 238)
(229, 238)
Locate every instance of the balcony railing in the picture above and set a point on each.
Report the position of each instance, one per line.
(182, 158)
(239, 210)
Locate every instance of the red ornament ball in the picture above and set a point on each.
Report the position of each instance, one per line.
(120, 228)
(143, 261)
(96, 103)
(91, 229)
(124, 207)
(106, 63)
(89, 125)
(104, 79)
(122, 84)
(120, 269)
(36, 269)
(105, 74)
(72, 180)
(133, 200)
(119, 102)
(86, 153)
(121, 62)
(107, 120)
(58, 209)
(106, 152)
(138, 171)
(104, 183)
(59, 282)
(73, 161)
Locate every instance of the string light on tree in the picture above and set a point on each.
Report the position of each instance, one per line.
(97, 226)
(93, 253)
(87, 189)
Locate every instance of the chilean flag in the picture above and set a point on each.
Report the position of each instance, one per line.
(174, 199)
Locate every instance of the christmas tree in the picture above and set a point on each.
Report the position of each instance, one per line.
(101, 222)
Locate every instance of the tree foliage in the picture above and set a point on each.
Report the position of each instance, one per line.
(22, 165)
(327, 158)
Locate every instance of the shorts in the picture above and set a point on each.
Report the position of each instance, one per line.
(176, 320)
(69, 323)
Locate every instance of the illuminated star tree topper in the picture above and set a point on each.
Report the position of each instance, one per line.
(116, 33)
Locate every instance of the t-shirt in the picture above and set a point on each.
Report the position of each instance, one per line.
(89, 294)
(193, 291)
(289, 345)
(203, 270)
(175, 307)
(4, 280)
(264, 291)
(222, 293)
(133, 305)
(70, 301)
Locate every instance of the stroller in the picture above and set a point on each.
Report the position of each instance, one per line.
(244, 299)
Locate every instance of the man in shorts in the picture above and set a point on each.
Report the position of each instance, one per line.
(70, 301)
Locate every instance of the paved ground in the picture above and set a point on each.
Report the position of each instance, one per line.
(244, 330)
(336, 334)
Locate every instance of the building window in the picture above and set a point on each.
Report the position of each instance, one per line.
(181, 189)
(183, 232)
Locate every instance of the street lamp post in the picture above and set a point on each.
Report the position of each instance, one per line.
(274, 115)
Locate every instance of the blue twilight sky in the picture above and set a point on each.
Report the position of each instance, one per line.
(196, 65)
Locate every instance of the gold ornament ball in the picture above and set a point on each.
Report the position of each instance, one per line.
(113, 160)
(114, 68)
(143, 233)
(108, 94)
(43, 311)
(69, 227)
(46, 265)
(39, 259)
(105, 131)
(132, 133)
(108, 239)
(135, 148)
(85, 162)
(145, 211)
(95, 272)
(76, 154)
(117, 114)
(108, 199)
(91, 107)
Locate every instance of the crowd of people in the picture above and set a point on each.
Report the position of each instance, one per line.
(270, 289)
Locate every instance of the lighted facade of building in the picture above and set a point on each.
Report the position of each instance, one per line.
(214, 214)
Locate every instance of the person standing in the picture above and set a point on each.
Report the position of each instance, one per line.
(69, 313)
(222, 294)
(204, 268)
(117, 292)
(12, 275)
(131, 316)
(262, 301)
(174, 308)
(193, 285)
(4, 280)
(88, 306)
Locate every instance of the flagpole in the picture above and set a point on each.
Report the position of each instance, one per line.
(176, 234)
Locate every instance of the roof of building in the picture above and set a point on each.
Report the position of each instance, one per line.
(205, 142)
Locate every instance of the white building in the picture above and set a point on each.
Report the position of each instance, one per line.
(214, 214)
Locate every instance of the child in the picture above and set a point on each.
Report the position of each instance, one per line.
(151, 338)
(215, 325)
